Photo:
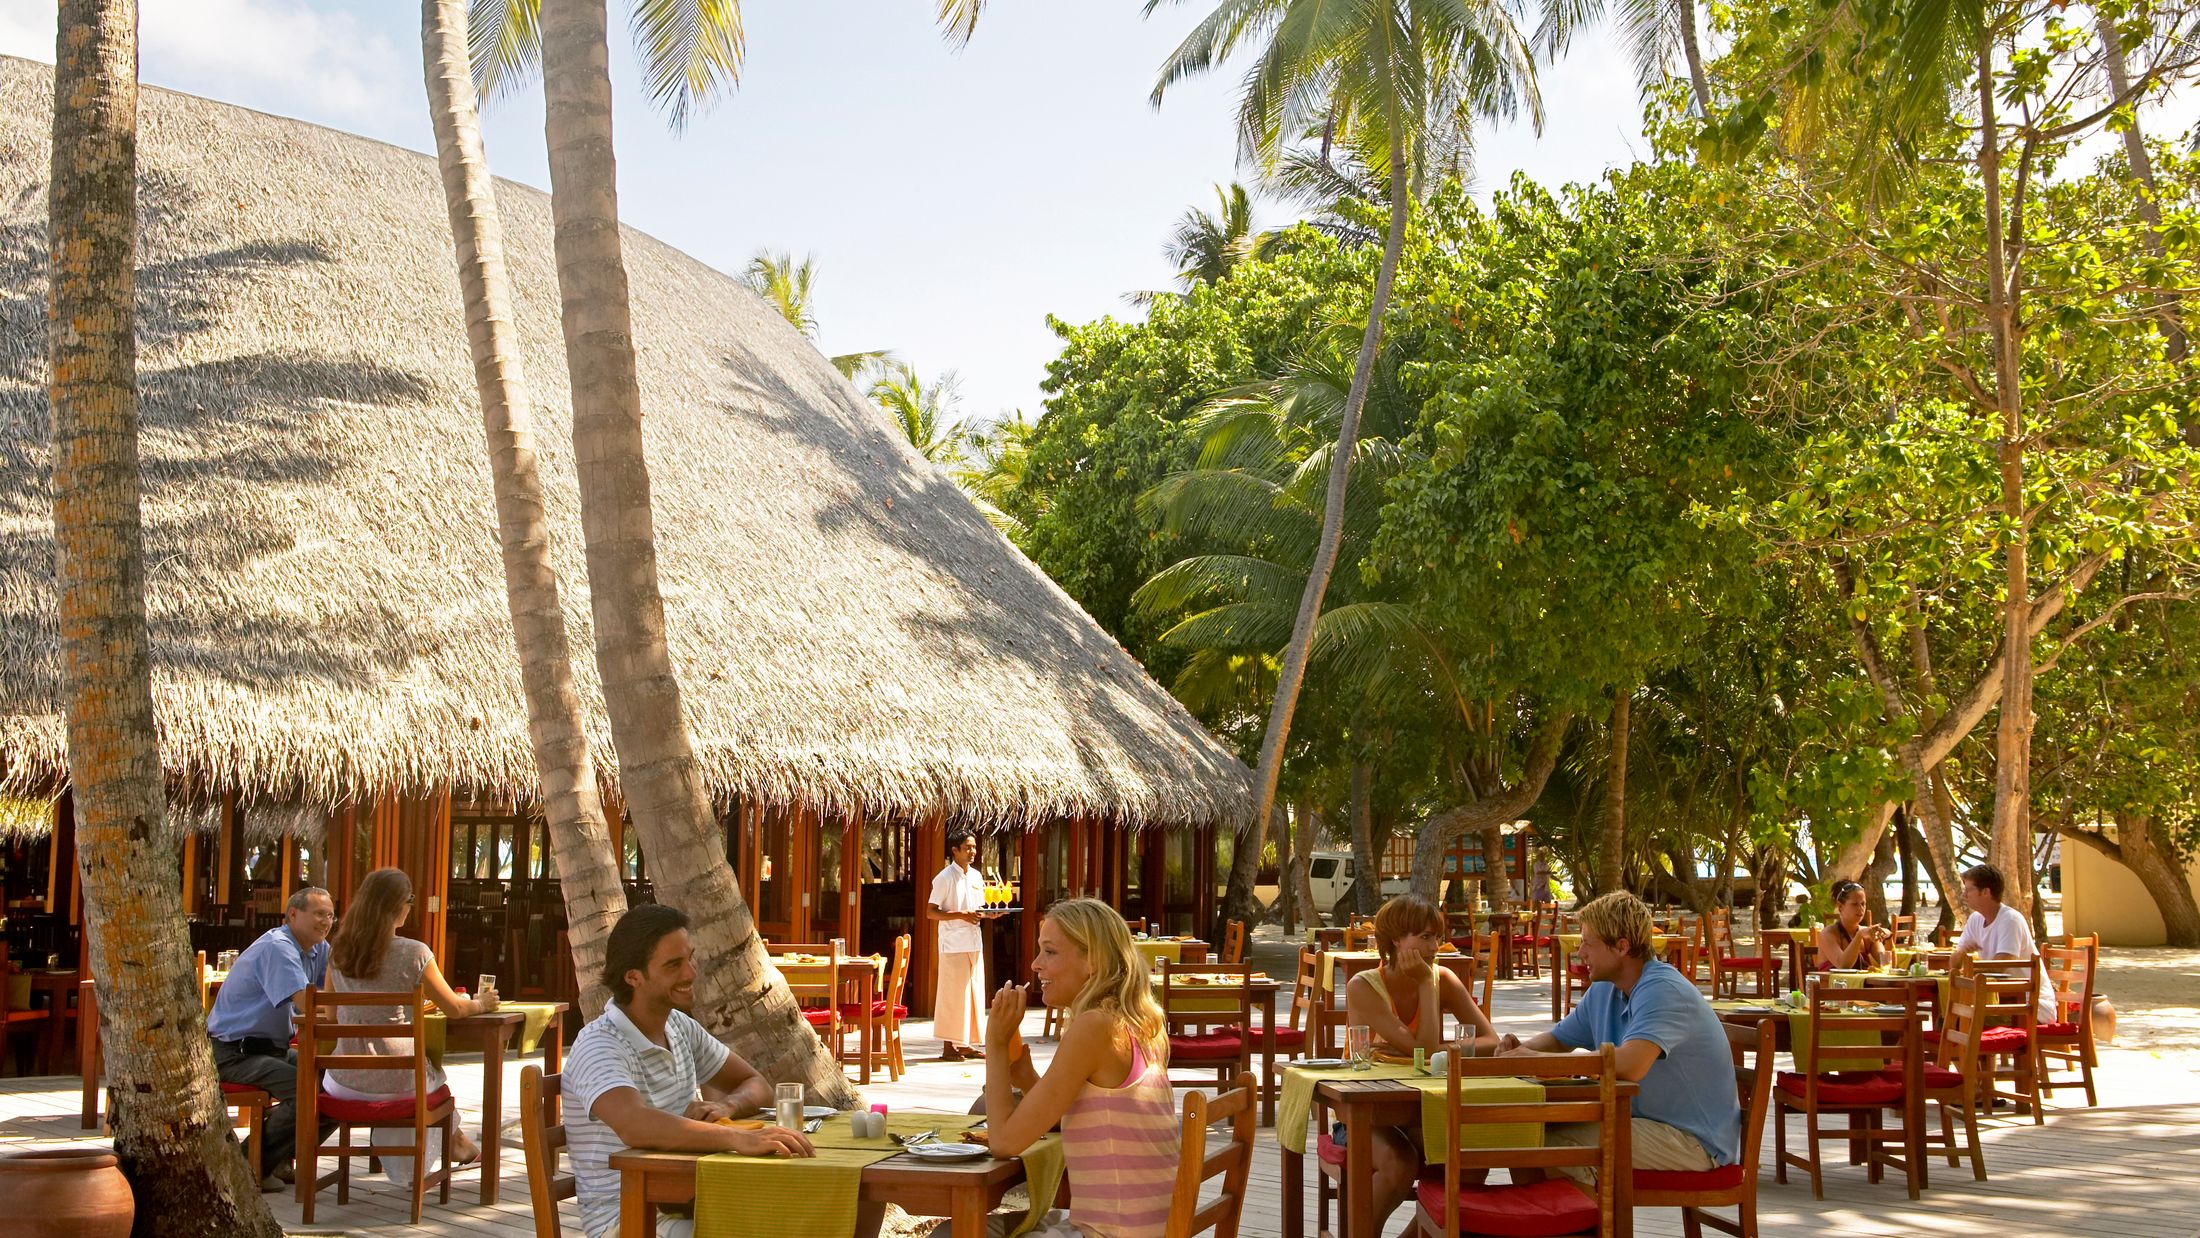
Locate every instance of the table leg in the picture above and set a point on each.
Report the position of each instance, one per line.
(492, 1107)
(970, 1209)
(1504, 954)
(1558, 979)
(864, 989)
(1359, 1173)
(87, 1050)
(636, 1215)
(1268, 1058)
(1623, 1191)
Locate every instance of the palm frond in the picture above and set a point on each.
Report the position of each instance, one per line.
(1237, 627)
(689, 51)
(504, 42)
(1204, 580)
(959, 20)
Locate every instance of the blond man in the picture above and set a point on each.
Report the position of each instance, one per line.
(1670, 1042)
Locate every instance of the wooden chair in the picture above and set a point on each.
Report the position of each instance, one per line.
(419, 1112)
(1450, 1206)
(1864, 1080)
(2008, 1039)
(1359, 934)
(1729, 1186)
(1687, 930)
(14, 1018)
(1904, 929)
(1485, 966)
(1137, 926)
(1529, 942)
(1330, 938)
(1201, 996)
(1196, 1166)
(819, 999)
(542, 1137)
(1955, 1082)
(1332, 1004)
(1233, 942)
(887, 1011)
(2068, 1041)
(1729, 966)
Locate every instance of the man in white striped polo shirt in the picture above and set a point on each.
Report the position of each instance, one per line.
(633, 1076)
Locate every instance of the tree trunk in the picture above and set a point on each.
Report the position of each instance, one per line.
(1881, 868)
(1495, 879)
(171, 1129)
(1692, 51)
(1367, 881)
(1237, 897)
(2175, 344)
(739, 997)
(1908, 862)
(588, 872)
(1293, 671)
(1612, 864)
(2013, 739)
(1305, 837)
(2143, 846)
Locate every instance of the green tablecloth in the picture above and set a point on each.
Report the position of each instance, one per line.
(786, 1197)
(530, 1033)
(1798, 1018)
(1160, 951)
(1297, 1102)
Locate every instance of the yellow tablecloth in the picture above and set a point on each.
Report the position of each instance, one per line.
(1330, 957)
(1798, 1018)
(1159, 951)
(530, 1033)
(1658, 944)
(1296, 1102)
(1196, 1003)
(774, 1197)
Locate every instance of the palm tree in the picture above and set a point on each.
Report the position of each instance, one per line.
(1371, 70)
(588, 871)
(790, 288)
(1652, 29)
(1205, 247)
(923, 412)
(171, 1129)
(996, 456)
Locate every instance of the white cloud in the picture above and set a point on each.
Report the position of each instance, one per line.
(291, 57)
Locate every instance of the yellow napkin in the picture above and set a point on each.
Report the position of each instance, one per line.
(1044, 1162)
(531, 1032)
(781, 1197)
(1296, 1104)
(1155, 951)
(1295, 1101)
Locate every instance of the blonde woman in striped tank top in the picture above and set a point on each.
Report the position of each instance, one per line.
(1108, 1083)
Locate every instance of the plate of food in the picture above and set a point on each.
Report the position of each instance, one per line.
(947, 1152)
(1321, 1063)
(1758, 1010)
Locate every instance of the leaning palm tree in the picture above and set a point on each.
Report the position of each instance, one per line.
(1370, 70)
(171, 1129)
(580, 839)
(1204, 248)
(791, 287)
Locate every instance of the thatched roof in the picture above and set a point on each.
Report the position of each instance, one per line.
(327, 607)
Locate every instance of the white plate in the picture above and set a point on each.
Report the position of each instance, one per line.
(948, 1151)
(1321, 1063)
(819, 1111)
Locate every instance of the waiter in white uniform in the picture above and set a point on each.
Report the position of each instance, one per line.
(958, 902)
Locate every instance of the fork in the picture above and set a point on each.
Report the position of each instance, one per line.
(812, 1126)
(910, 1140)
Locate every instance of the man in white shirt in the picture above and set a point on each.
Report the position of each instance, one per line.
(633, 1075)
(958, 903)
(1996, 931)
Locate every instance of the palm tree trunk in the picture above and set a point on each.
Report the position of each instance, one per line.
(1367, 881)
(1305, 829)
(1238, 902)
(1497, 884)
(1293, 672)
(2175, 343)
(1692, 51)
(588, 873)
(739, 997)
(1611, 865)
(2013, 739)
(171, 1129)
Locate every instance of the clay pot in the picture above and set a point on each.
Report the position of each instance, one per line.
(2104, 1019)
(65, 1193)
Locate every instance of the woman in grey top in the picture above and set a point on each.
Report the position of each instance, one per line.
(367, 956)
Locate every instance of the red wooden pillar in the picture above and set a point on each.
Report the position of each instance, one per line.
(930, 857)
(1203, 880)
(1153, 878)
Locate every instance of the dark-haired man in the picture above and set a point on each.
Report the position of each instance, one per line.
(1996, 930)
(633, 1076)
(958, 903)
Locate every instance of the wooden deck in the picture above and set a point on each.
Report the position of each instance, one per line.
(2123, 1170)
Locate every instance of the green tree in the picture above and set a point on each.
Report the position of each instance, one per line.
(171, 1129)
(791, 288)
(1370, 68)
(923, 412)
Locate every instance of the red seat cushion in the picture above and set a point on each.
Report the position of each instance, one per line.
(1740, 960)
(1286, 1037)
(1553, 1206)
(395, 1108)
(2004, 1040)
(1724, 1178)
(1579, 971)
(1220, 1046)
(1846, 1088)
(879, 1010)
(818, 1018)
(242, 1089)
(2064, 1029)
(1936, 1077)
(1330, 1151)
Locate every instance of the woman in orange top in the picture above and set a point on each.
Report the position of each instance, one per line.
(1403, 1003)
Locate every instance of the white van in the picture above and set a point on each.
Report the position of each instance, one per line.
(1332, 872)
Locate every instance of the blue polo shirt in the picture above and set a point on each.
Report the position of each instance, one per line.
(255, 1000)
(1691, 1085)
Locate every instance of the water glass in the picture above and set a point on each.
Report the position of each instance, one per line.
(484, 982)
(1359, 1045)
(787, 1100)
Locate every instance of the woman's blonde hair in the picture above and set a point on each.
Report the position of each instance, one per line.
(1407, 913)
(1621, 916)
(1119, 981)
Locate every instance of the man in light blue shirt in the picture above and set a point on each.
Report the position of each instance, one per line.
(1687, 1116)
(250, 1023)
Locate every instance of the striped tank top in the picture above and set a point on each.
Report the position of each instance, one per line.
(1121, 1147)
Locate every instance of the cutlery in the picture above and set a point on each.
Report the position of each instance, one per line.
(811, 1127)
(919, 1137)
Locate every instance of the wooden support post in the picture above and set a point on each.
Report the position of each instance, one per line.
(227, 862)
(931, 857)
(190, 872)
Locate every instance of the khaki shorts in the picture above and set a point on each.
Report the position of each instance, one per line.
(1655, 1146)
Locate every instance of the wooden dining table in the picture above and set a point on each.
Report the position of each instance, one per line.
(964, 1193)
(1366, 1106)
(1264, 990)
(492, 1033)
(857, 977)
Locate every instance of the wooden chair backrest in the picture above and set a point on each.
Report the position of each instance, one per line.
(1186, 1001)
(1604, 1113)
(1895, 1039)
(2070, 970)
(1360, 935)
(1233, 942)
(1137, 926)
(2015, 988)
(809, 992)
(1196, 1166)
(1305, 987)
(322, 1016)
(1967, 999)
(206, 1002)
(1330, 938)
(1755, 1050)
(1904, 929)
(897, 972)
(1341, 972)
(542, 1137)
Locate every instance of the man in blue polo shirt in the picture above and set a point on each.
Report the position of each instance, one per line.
(250, 1024)
(1686, 1117)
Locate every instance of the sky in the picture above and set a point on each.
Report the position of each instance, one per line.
(953, 200)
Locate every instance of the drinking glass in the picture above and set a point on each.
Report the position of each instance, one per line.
(1359, 1045)
(787, 1100)
(484, 982)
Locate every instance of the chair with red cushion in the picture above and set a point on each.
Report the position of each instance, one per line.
(2068, 1041)
(20, 1018)
(247, 1107)
(1845, 1080)
(1730, 966)
(1196, 1166)
(1528, 945)
(1728, 1186)
(1955, 1081)
(1450, 1206)
(418, 1110)
(1195, 996)
(819, 996)
(2008, 1039)
(886, 1012)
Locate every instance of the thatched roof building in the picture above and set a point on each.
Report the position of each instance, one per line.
(327, 608)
